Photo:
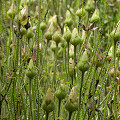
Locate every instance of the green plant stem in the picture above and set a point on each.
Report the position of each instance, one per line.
(46, 54)
(74, 63)
(55, 67)
(59, 103)
(114, 80)
(13, 96)
(94, 80)
(30, 98)
(68, 60)
(47, 116)
(82, 77)
(38, 60)
(70, 115)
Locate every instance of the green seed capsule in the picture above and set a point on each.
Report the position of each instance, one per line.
(11, 12)
(75, 39)
(53, 46)
(83, 64)
(43, 25)
(90, 5)
(29, 33)
(95, 16)
(48, 104)
(80, 12)
(23, 31)
(30, 72)
(67, 33)
(60, 92)
(115, 34)
(72, 104)
(48, 35)
(57, 37)
(68, 21)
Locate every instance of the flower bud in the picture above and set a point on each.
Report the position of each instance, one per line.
(80, 12)
(83, 64)
(23, 31)
(30, 72)
(72, 103)
(11, 12)
(60, 92)
(68, 19)
(84, 57)
(48, 35)
(48, 103)
(90, 5)
(67, 33)
(75, 39)
(95, 17)
(63, 43)
(29, 33)
(43, 25)
(53, 20)
(115, 34)
(52, 28)
(53, 46)
(57, 36)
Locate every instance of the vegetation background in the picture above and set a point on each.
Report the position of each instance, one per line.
(59, 59)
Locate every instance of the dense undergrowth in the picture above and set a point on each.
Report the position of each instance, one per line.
(59, 59)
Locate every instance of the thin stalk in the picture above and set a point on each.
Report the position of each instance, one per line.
(81, 84)
(74, 63)
(68, 60)
(13, 95)
(46, 54)
(93, 113)
(37, 61)
(70, 115)
(47, 116)
(59, 103)
(82, 77)
(22, 99)
(55, 67)
(30, 98)
(114, 82)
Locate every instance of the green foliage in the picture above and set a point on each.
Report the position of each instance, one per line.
(46, 42)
